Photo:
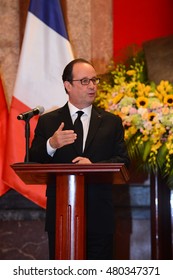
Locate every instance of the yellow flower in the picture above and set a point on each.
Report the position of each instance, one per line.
(141, 102)
(120, 114)
(151, 117)
(145, 138)
(164, 86)
(117, 98)
(159, 95)
(131, 72)
(168, 99)
(156, 146)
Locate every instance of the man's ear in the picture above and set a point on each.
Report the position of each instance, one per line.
(67, 86)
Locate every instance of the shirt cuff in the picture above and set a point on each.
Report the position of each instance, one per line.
(50, 150)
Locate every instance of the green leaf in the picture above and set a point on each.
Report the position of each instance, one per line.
(145, 149)
(161, 157)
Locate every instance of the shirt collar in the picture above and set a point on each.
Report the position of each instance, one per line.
(73, 109)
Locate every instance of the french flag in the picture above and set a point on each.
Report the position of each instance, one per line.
(45, 52)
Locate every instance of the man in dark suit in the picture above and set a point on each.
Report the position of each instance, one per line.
(103, 141)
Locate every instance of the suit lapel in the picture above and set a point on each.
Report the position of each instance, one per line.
(65, 117)
(95, 121)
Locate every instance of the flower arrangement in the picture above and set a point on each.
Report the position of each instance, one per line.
(146, 110)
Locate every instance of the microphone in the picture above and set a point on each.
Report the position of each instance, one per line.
(29, 114)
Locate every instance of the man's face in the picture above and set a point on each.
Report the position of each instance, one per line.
(80, 95)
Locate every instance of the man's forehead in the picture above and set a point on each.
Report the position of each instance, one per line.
(83, 68)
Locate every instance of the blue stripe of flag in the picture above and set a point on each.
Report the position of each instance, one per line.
(49, 11)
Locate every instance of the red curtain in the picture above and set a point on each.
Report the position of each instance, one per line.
(135, 22)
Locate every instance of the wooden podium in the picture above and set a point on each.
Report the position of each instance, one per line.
(70, 198)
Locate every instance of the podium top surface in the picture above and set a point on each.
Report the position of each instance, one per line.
(34, 173)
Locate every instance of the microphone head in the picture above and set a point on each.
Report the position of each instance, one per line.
(29, 114)
(40, 109)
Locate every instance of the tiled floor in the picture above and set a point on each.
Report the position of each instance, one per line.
(26, 240)
(23, 240)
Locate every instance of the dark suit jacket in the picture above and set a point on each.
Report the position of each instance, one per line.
(105, 143)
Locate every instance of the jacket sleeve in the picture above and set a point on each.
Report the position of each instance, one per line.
(38, 150)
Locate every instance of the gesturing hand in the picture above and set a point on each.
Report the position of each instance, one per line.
(62, 137)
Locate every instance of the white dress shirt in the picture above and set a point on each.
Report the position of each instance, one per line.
(85, 118)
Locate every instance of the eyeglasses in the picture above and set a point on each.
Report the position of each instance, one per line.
(86, 81)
